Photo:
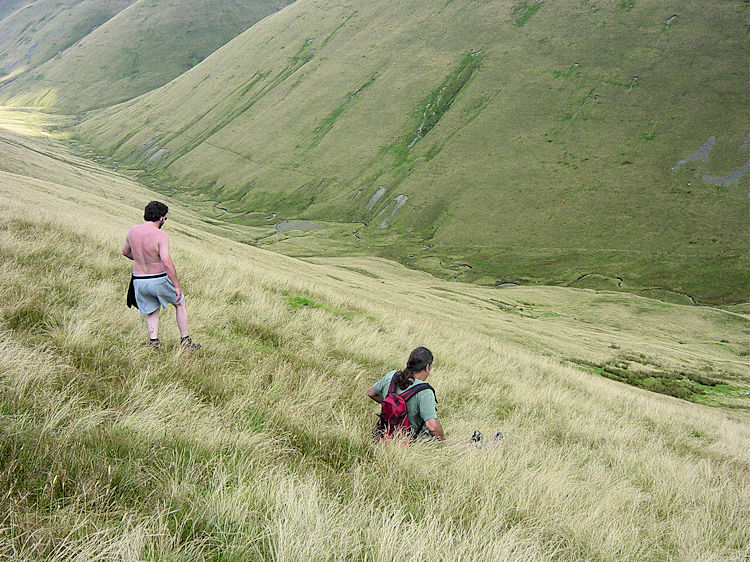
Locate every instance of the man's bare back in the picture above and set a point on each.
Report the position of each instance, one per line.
(145, 241)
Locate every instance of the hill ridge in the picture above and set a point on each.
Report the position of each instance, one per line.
(139, 48)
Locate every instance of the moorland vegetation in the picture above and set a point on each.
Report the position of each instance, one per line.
(258, 446)
(598, 147)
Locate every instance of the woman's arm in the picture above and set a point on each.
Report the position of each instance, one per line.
(435, 429)
(374, 395)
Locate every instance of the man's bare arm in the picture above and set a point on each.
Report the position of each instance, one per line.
(374, 395)
(169, 267)
(127, 251)
(435, 429)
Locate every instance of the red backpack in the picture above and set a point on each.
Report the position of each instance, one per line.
(394, 417)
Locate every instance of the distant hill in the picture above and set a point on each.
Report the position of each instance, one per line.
(33, 32)
(9, 6)
(77, 55)
(591, 144)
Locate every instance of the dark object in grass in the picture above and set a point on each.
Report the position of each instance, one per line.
(189, 344)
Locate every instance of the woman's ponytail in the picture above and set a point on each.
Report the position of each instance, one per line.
(404, 379)
(418, 361)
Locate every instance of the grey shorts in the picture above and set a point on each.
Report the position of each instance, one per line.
(152, 292)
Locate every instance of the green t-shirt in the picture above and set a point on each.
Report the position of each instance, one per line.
(421, 406)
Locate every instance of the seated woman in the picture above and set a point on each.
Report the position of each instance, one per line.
(408, 403)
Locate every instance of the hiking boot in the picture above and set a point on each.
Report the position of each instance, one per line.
(153, 343)
(496, 441)
(476, 437)
(187, 343)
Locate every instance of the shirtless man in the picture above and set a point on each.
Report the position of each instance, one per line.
(154, 282)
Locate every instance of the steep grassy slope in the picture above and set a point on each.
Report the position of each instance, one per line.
(122, 54)
(108, 451)
(529, 141)
(7, 7)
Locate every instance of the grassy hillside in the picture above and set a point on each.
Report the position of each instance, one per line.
(257, 446)
(35, 31)
(94, 54)
(561, 142)
(9, 6)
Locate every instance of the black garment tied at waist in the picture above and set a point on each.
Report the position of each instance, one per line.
(131, 289)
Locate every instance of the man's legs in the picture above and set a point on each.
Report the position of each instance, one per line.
(182, 318)
(152, 324)
(182, 325)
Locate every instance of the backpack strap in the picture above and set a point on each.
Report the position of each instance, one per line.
(412, 392)
(406, 395)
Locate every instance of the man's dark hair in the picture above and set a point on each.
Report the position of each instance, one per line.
(154, 211)
(418, 360)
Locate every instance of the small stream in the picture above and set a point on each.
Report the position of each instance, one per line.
(619, 280)
(459, 267)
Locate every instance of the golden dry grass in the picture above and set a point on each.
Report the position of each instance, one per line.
(258, 446)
